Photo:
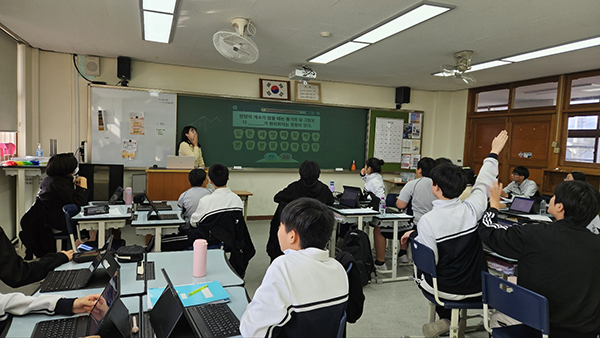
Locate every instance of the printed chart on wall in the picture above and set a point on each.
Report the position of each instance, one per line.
(132, 127)
(273, 135)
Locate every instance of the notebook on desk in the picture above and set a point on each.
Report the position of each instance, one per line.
(61, 280)
(81, 326)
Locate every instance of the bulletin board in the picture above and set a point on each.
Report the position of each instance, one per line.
(395, 136)
(136, 128)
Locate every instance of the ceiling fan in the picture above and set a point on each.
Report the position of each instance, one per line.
(237, 46)
(457, 72)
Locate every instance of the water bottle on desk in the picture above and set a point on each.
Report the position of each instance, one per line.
(543, 207)
(128, 195)
(39, 152)
(382, 206)
(331, 186)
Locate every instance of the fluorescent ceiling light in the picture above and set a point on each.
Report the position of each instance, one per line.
(157, 26)
(569, 47)
(486, 65)
(338, 52)
(414, 17)
(164, 6)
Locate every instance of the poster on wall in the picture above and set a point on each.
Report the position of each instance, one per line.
(129, 149)
(136, 123)
(388, 139)
(405, 164)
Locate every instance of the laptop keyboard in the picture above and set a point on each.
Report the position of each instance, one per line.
(163, 217)
(59, 328)
(219, 319)
(62, 280)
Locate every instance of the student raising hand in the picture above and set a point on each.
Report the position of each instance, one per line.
(499, 142)
(495, 192)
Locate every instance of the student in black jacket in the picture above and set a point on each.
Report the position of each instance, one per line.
(307, 186)
(559, 260)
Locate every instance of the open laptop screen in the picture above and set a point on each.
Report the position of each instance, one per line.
(523, 205)
(349, 198)
(102, 306)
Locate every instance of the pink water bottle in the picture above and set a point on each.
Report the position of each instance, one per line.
(199, 268)
(128, 194)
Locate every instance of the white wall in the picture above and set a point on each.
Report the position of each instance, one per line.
(443, 129)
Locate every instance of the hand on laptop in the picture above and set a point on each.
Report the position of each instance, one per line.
(69, 254)
(85, 304)
(495, 192)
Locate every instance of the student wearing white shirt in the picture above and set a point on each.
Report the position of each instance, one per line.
(520, 185)
(371, 174)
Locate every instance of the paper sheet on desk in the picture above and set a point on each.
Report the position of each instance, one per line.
(214, 292)
(506, 200)
(537, 218)
(356, 211)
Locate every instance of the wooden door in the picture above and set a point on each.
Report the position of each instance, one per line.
(479, 140)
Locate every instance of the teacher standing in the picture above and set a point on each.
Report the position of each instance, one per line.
(189, 145)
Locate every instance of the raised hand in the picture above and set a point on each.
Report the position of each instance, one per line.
(499, 141)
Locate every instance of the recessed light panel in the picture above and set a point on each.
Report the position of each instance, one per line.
(164, 6)
(157, 26)
(338, 52)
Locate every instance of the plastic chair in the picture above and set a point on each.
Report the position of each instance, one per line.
(424, 260)
(342, 330)
(517, 302)
(69, 210)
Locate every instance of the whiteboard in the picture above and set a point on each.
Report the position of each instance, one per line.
(135, 128)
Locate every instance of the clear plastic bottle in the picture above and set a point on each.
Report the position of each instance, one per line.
(382, 206)
(543, 207)
(39, 152)
(331, 186)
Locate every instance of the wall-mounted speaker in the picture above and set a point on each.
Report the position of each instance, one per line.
(92, 65)
(402, 95)
(124, 68)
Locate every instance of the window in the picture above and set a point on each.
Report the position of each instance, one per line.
(537, 95)
(583, 135)
(494, 100)
(585, 90)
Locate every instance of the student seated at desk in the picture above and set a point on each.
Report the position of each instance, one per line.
(559, 260)
(219, 218)
(188, 200)
(307, 186)
(15, 272)
(304, 292)
(520, 185)
(450, 230)
(18, 304)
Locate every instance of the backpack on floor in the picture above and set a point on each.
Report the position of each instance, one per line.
(356, 242)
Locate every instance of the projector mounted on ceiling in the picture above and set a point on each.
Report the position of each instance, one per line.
(303, 74)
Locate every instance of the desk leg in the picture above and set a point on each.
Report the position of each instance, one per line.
(246, 209)
(101, 233)
(20, 204)
(395, 251)
(157, 239)
(360, 223)
(333, 239)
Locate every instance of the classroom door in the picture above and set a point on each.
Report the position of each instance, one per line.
(480, 133)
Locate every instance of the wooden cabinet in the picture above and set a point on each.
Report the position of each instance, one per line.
(167, 184)
(552, 178)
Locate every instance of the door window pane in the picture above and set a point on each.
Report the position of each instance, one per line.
(580, 149)
(585, 90)
(537, 95)
(583, 122)
(494, 100)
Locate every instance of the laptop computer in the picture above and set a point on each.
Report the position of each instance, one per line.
(519, 207)
(82, 326)
(180, 162)
(169, 318)
(162, 206)
(116, 196)
(61, 280)
(158, 216)
(349, 199)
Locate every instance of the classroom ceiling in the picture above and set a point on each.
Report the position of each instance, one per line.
(288, 33)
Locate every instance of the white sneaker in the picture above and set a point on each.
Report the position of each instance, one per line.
(403, 259)
(382, 267)
(432, 330)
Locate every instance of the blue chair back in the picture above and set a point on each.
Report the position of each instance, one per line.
(70, 210)
(516, 301)
(390, 200)
(423, 257)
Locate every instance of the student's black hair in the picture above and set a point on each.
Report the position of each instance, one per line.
(61, 165)
(443, 160)
(186, 130)
(218, 174)
(578, 176)
(580, 200)
(521, 171)
(197, 177)
(375, 164)
(470, 174)
(309, 171)
(426, 164)
(451, 179)
(311, 219)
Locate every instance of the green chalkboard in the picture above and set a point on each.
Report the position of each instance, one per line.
(413, 122)
(262, 134)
